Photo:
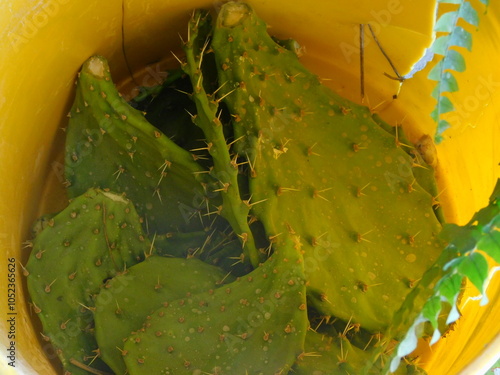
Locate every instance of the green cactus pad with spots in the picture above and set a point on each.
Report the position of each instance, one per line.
(327, 355)
(111, 145)
(96, 237)
(255, 325)
(127, 299)
(323, 166)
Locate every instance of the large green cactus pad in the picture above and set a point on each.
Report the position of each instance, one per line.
(255, 325)
(323, 166)
(126, 300)
(96, 237)
(111, 145)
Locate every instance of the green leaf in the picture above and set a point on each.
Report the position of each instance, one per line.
(449, 287)
(436, 72)
(460, 38)
(445, 105)
(446, 22)
(454, 61)
(494, 224)
(461, 238)
(460, 259)
(442, 126)
(440, 45)
(485, 216)
(475, 268)
(490, 244)
(431, 310)
(449, 83)
(435, 114)
(445, 45)
(453, 264)
(469, 14)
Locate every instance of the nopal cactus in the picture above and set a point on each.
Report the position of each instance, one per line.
(127, 299)
(323, 166)
(111, 145)
(323, 212)
(255, 325)
(98, 236)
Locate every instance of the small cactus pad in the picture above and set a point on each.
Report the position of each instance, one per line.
(255, 325)
(96, 237)
(323, 166)
(127, 299)
(111, 145)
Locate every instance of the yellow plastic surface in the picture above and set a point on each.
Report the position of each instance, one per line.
(43, 43)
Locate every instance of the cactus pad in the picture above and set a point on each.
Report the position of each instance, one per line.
(127, 299)
(96, 237)
(111, 145)
(255, 325)
(322, 165)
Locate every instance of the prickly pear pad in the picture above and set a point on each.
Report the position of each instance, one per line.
(324, 166)
(127, 299)
(96, 237)
(111, 145)
(255, 325)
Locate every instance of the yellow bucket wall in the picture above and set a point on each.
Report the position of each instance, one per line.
(43, 44)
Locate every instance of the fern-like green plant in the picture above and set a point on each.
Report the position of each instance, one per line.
(465, 257)
(449, 44)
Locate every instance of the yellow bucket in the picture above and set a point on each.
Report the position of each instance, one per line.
(44, 43)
